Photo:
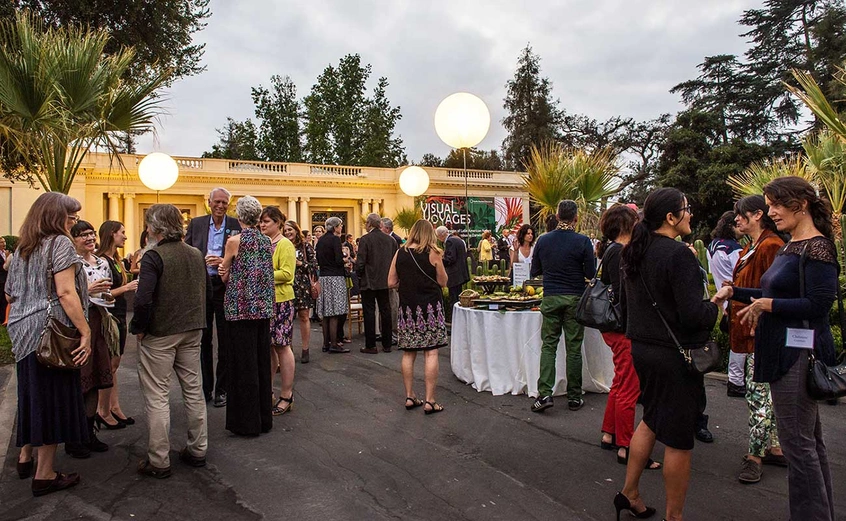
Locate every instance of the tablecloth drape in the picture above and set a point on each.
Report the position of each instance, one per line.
(500, 353)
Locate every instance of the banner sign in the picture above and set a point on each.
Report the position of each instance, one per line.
(477, 215)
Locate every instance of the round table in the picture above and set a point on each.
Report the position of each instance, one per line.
(499, 352)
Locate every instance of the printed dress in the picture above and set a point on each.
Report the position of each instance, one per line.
(420, 318)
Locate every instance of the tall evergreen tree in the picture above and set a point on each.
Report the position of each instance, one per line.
(278, 112)
(532, 115)
(380, 147)
(236, 140)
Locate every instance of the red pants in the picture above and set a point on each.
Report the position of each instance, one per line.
(625, 389)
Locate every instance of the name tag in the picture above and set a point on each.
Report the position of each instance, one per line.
(800, 338)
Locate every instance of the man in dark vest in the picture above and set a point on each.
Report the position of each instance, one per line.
(209, 234)
(170, 315)
(375, 253)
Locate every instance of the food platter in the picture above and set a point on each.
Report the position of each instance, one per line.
(507, 302)
(490, 283)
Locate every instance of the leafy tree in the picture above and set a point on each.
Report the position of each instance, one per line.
(278, 112)
(532, 115)
(161, 32)
(237, 140)
(432, 160)
(696, 161)
(644, 148)
(342, 124)
(380, 147)
(579, 131)
(476, 160)
(61, 96)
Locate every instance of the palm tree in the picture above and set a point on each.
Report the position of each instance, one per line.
(61, 95)
(752, 180)
(554, 174)
(406, 217)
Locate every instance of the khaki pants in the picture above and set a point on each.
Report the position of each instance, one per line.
(158, 357)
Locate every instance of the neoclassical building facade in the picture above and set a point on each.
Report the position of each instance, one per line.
(307, 193)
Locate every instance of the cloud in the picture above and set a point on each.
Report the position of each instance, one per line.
(604, 58)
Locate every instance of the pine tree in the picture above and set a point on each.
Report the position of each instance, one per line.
(380, 147)
(237, 140)
(532, 115)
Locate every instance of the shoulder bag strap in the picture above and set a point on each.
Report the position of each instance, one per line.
(661, 315)
(421, 269)
(50, 275)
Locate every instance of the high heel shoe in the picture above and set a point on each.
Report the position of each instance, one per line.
(279, 411)
(100, 423)
(129, 420)
(621, 503)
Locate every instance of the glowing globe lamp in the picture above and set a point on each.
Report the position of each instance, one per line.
(462, 120)
(158, 171)
(414, 181)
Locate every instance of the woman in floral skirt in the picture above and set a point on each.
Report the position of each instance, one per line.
(418, 271)
(306, 269)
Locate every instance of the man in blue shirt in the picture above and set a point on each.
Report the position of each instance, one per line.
(209, 234)
(565, 259)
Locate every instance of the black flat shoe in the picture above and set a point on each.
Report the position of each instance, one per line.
(621, 503)
(100, 423)
(25, 469)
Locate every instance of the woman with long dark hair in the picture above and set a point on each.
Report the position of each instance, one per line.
(524, 245)
(658, 267)
(755, 259)
(306, 268)
(783, 316)
(113, 236)
(616, 225)
(50, 403)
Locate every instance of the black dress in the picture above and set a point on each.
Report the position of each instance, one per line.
(420, 318)
(672, 396)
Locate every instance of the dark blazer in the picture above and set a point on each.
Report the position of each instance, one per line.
(375, 252)
(455, 261)
(198, 232)
(398, 239)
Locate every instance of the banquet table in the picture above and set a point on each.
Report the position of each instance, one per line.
(499, 352)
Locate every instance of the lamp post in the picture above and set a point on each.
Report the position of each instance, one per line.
(462, 121)
(158, 172)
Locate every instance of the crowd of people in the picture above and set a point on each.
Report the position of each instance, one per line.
(247, 280)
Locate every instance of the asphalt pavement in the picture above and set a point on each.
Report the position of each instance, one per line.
(350, 451)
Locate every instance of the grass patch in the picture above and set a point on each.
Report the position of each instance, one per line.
(6, 356)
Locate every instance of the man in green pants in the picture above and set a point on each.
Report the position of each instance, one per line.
(565, 260)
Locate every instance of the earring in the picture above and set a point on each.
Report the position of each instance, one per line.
(804, 213)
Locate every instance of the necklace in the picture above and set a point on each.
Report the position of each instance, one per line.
(566, 226)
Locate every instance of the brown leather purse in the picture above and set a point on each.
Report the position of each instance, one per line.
(58, 341)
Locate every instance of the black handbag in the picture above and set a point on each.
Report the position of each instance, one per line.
(824, 382)
(699, 360)
(598, 308)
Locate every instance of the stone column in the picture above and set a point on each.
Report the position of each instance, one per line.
(129, 224)
(305, 215)
(376, 208)
(114, 206)
(292, 209)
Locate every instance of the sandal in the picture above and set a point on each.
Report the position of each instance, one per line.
(604, 445)
(415, 402)
(435, 407)
(279, 411)
(650, 463)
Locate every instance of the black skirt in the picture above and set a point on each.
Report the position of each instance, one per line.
(671, 395)
(50, 405)
(248, 395)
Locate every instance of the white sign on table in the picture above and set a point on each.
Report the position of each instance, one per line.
(520, 272)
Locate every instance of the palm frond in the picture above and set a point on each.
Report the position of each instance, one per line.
(752, 180)
(826, 153)
(811, 95)
(406, 217)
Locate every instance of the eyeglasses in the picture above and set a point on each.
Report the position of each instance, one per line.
(85, 235)
(685, 209)
(74, 218)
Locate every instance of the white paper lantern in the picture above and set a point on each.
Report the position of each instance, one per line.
(414, 181)
(462, 120)
(158, 171)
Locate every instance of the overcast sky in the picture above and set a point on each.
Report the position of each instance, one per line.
(604, 57)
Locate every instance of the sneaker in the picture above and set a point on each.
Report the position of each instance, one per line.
(750, 471)
(735, 391)
(542, 403)
(575, 405)
(191, 460)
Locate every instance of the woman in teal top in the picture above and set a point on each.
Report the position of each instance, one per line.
(282, 322)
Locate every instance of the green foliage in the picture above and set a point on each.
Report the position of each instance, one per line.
(701, 254)
(63, 95)
(826, 153)
(11, 242)
(752, 180)
(344, 126)
(6, 356)
(237, 140)
(532, 116)
(406, 217)
(278, 113)
(161, 32)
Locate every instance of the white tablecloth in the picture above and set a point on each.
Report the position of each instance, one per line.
(500, 353)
